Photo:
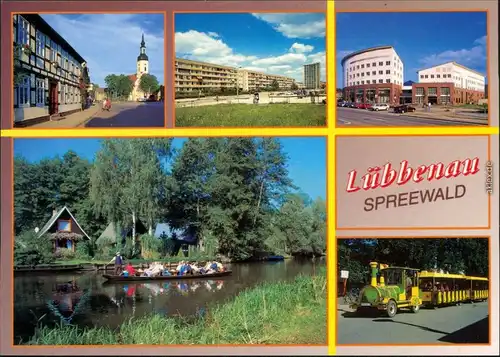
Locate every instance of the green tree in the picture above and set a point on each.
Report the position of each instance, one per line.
(148, 83)
(127, 180)
(275, 85)
(119, 86)
(294, 86)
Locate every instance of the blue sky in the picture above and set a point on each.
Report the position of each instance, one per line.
(306, 164)
(421, 39)
(271, 43)
(110, 43)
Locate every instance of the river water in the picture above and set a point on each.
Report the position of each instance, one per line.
(85, 299)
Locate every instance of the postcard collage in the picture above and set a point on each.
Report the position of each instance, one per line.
(250, 177)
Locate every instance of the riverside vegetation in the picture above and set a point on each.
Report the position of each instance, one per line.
(235, 192)
(278, 313)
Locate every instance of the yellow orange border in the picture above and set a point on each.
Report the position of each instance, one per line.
(330, 132)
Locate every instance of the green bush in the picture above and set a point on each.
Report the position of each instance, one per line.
(29, 249)
(65, 254)
(83, 250)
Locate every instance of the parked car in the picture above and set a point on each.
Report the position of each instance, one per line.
(378, 107)
(364, 106)
(353, 105)
(401, 109)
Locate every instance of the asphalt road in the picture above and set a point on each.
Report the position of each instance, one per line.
(468, 323)
(130, 115)
(362, 117)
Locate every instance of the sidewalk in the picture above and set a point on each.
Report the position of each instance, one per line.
(446, 116)
(74, 120)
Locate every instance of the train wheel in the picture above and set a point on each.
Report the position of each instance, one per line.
(392, 308)
(415, 309)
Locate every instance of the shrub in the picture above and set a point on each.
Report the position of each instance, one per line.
(83, 250)
(29, 249)
(65, 254)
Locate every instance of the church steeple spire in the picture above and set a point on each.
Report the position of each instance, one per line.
(142, 55)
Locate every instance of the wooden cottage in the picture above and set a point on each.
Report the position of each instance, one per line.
(64, 230)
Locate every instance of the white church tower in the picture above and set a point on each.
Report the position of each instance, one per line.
(142, 60)
(142, 68)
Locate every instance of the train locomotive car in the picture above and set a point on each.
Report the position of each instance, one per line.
(397, 288)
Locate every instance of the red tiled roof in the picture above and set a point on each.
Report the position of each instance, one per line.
(133, 77)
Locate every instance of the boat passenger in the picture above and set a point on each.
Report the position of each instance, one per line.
(179, 266)
(220, 267)
(184, 269)
(130, 270)
(195, 269)
(165, 271)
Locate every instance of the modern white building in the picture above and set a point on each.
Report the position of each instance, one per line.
(376, 65)
(452, 72)
(373, 75)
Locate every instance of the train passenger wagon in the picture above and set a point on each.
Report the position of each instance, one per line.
(394, 288)
(438, 289)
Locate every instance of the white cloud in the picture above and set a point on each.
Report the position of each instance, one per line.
(474, 56)
(110, 43)
(204, 47)
(306, 25)
(301, 48)
(213, 34)
(481, 41)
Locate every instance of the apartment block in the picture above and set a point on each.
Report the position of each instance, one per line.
(195, 76)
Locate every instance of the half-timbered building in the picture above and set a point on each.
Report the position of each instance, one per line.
(48, 72)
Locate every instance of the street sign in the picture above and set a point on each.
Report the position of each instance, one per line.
(344, 274)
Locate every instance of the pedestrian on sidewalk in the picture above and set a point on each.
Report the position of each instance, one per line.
(429, 107)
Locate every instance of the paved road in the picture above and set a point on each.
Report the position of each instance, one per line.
(467, 323)
(130, 115)
(361, 117)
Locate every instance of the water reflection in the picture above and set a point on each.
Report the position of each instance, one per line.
(85, 300)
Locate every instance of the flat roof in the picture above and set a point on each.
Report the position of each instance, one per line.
(48, 30)
(364, 51)
(454, 63)
(180, 59)
(235, 69)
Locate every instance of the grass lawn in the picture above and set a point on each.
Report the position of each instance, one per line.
(274, 313)
(248, 115)
(472, 106)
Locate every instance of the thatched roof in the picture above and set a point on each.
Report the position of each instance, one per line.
(66, 235)
(108, 236)
(53, 220)
(112, 232)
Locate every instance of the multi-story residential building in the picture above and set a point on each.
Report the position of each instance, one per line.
(195, 76)
(253, 80)
(48, 72)
(312, 76)
(373, 75)
(449, 83)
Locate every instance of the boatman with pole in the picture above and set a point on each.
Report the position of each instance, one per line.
(118, 260)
